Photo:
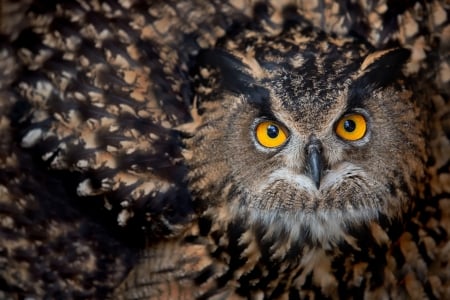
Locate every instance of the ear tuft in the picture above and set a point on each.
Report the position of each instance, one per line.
(234, 75)
(381, 68)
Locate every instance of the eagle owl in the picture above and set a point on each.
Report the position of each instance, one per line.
(224, 150)
(306, 138)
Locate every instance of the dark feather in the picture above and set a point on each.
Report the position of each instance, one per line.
(379, 72)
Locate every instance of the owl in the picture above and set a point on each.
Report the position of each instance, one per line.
(300, 138)
(224, 150)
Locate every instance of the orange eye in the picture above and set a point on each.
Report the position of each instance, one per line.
(270, 135)
(351, 127)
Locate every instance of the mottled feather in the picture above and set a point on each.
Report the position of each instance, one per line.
(113, 155)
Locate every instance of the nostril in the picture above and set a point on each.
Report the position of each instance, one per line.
(314, 144)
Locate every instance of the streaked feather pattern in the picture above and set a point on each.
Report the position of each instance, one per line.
(105, 106)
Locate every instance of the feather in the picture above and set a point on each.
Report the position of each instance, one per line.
(100, 103)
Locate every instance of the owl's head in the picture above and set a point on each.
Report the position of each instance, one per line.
(304, 137)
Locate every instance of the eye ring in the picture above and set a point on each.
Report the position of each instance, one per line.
(270, 134)
(352, 127)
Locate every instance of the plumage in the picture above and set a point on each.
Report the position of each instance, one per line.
(131, 167)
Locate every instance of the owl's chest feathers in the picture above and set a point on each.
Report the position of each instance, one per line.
(254, 252)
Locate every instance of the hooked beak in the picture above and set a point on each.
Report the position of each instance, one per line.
(314, 162)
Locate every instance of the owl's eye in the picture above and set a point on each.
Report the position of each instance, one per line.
(270, 134)
(351, 127)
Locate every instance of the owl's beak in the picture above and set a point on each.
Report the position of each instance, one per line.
(314, 161)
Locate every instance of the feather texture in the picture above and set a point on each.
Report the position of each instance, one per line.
(102, 103)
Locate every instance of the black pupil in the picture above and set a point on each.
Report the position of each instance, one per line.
(272, 131)
(349, 125)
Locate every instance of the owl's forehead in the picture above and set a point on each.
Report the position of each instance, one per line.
(305, 73)
(310, 87)
(305, 91)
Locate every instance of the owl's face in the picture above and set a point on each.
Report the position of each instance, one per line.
(306, 139)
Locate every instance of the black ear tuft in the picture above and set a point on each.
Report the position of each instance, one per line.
(233, 75)
(382, 67)
(378, 70)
